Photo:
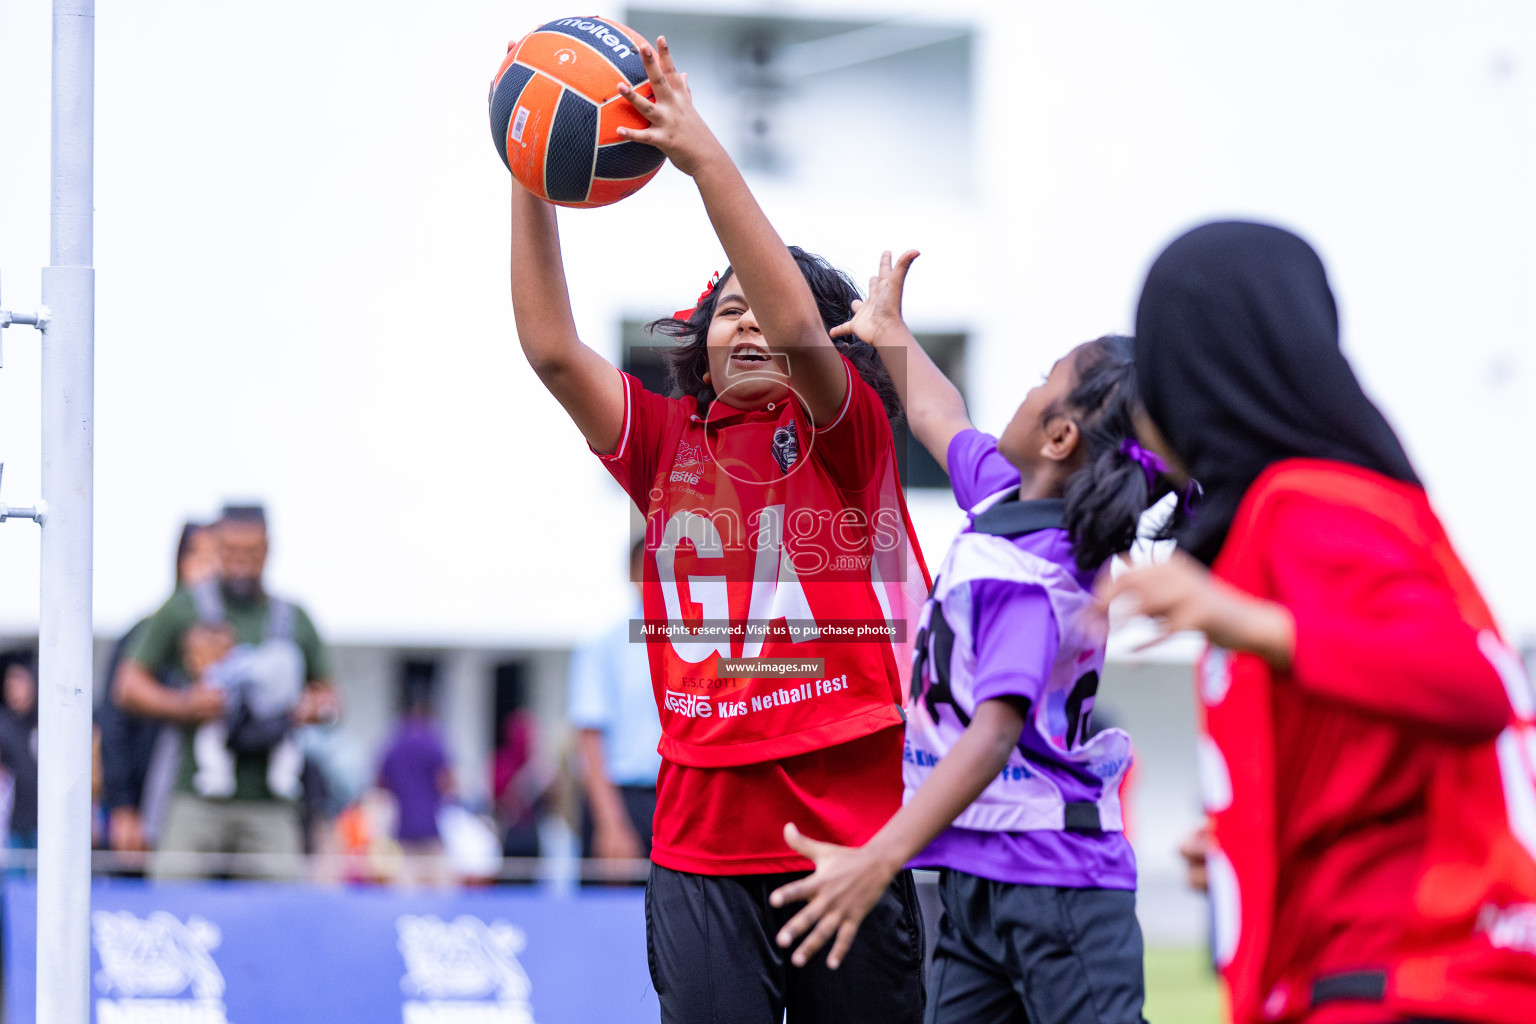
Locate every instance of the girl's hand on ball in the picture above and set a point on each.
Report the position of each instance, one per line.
(676, 127)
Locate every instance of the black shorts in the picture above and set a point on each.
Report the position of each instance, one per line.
(714, 960)
(1035, 954)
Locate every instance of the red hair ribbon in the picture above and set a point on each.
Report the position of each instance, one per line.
(684, 314)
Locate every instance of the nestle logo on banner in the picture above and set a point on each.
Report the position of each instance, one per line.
(463, 972)
(160, 969)
(598, 30)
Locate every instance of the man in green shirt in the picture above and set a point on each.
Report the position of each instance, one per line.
(258, 671)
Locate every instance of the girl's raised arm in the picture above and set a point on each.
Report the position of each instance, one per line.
(586, 384)
(935, 410)
(770, 279)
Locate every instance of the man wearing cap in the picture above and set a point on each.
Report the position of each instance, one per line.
(258, 671)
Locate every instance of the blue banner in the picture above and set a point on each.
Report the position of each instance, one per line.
(254, 953)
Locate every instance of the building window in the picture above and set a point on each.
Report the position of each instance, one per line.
(947, 350)
(418, 682)
(643, 355)
(792, 96)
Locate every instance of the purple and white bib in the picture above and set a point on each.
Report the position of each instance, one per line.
(1058, 777)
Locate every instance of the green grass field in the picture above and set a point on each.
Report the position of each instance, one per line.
(1180, 987)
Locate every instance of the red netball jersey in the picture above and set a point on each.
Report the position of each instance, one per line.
(1375, 808)
(769, 538)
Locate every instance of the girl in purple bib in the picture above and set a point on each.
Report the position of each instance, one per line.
(1009, 790)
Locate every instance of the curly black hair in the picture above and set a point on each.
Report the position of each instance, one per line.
(834, 292)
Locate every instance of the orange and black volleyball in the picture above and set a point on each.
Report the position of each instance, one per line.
(556, 111)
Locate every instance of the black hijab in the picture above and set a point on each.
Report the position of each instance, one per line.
(1237, 355)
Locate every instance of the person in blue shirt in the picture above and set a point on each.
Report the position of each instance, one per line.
(613, 708)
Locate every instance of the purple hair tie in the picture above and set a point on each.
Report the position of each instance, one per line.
(1150, 464)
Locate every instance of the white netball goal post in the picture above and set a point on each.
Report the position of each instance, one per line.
(66, 322)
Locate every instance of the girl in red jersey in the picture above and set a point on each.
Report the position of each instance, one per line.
(1369, 753)
(775, 530)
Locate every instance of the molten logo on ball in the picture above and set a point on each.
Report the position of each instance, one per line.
(600, 31)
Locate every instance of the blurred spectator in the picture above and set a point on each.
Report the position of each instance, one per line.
(133, 796)
(18, 745)
(519, 784)
(98, 785)
(337, 770)
(416, 772)
(612, 705)
(363, 834)
(315, 801)
(470, 845)
(258, 671)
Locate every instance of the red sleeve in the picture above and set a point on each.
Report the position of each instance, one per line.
(637, 459)
(1376, 626)
(857, 441)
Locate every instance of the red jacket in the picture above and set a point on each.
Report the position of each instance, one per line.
(1375, 808)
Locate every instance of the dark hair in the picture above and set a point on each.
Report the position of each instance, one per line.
(834, 292)
(255, 515)
(1107, 495)
(24, 656)
(20, 657)
(189, 533)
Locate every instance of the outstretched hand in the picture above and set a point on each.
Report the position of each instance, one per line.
(1178, 594)
(846, 885)
(1181, 594)
(676, 127)
(882, 310)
